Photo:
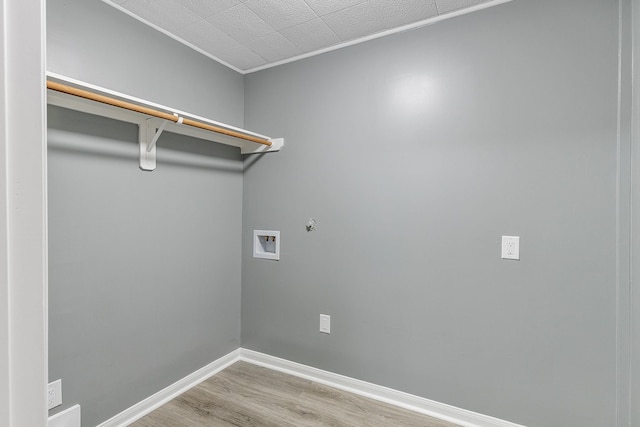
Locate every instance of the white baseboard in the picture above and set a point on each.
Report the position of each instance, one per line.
(432, 408)
(141, 409)
(459, 416)
(70, 417)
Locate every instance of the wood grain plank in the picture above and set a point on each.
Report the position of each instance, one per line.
(248, 395)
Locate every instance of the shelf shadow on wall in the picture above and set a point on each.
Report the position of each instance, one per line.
(84, 134)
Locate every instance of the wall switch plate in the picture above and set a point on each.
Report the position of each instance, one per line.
(511, 247)
(325, 323)
(54, 394)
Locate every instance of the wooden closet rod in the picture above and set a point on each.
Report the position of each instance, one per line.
(151, 112)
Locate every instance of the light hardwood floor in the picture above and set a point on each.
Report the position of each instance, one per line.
(248, 395)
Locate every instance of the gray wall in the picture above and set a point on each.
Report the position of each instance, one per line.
(627, 400)
(635, 265)
(144, 267)
(415, 153)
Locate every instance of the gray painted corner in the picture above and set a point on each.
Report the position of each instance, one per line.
(415, 153)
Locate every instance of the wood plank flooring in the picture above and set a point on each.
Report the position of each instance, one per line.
(248, 395)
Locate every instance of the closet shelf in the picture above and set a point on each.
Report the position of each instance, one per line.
(152, 119)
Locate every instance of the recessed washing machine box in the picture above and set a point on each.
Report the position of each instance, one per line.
(266, 244)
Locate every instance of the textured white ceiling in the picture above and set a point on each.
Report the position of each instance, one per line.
(248, 35)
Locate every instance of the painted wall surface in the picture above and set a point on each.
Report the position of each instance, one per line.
(144, 266)
(635, 219)
(93, 42)
(626, 397)
(415, 153)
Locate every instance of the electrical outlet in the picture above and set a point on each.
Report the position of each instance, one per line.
(54, 394)
(325, 323)
(511, 247)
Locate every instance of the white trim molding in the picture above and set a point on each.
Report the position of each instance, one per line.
(153, 402)
(70, 417)
(461, 417)
(401, 399)
(23, 220)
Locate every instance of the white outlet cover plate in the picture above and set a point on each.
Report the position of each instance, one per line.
(511, 247)
(325, 323)
(55, 391)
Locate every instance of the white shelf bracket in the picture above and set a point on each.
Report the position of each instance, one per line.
(149, 132)
(151, 145)
(147, 138)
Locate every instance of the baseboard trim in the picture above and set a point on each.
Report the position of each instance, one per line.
(139, 410)
(459, 416)
(70, 417)
(408, 401)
